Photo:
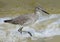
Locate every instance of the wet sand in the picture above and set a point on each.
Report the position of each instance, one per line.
(12, 8)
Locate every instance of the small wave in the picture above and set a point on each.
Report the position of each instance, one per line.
(52, 29)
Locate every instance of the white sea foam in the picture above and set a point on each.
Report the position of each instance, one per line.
(2, 19)
(10, 33)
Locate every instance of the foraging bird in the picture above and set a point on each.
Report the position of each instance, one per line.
(27, 19)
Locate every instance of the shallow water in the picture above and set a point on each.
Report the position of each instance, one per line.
(45, 29)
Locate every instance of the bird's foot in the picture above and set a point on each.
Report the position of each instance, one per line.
(20, 30)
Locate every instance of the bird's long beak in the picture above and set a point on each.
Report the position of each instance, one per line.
(40, 10)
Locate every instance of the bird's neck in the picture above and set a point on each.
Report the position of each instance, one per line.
(39, 13)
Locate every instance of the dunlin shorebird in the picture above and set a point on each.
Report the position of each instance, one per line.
(27, 19)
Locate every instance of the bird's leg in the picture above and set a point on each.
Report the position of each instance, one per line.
(20, 29)
(29, 33)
